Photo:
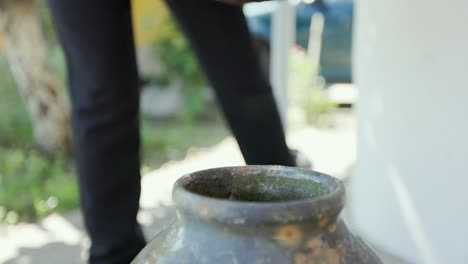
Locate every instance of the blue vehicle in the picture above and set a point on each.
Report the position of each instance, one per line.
(335, 60)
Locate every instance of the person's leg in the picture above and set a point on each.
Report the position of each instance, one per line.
(98, 41)
(219, 36)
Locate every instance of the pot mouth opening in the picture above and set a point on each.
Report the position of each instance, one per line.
(258, 192)
(253, 186)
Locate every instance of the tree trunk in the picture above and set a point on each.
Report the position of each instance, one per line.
(38, 85)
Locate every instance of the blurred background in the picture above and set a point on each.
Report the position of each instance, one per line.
(402, 146)
(179, 114)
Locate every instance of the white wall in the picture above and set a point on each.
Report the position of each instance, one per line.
(410, 190)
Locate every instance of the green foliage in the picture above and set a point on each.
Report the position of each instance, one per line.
(15, 127)
(56, 61)
(175, 55)
(170, 140)
(194, 104)
(32, 185)
(46, 22)
(56, 57)
(308, 101)
(179, 64)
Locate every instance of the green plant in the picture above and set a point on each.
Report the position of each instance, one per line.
(56, 61)
(179, 64)
(46, 22)
(15, 127)
(307, 100)
(170, 140)
(56, 57)
(32, 185)
(175, 55)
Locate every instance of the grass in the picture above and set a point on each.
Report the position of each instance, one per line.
(33, 185)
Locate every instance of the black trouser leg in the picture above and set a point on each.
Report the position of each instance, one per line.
(220, 38)
(98, 42)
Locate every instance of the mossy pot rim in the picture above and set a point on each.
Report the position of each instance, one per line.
(327, 203)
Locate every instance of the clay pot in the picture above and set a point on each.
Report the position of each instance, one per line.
(257, 214)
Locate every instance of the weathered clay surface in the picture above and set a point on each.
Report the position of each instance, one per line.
(258, 214)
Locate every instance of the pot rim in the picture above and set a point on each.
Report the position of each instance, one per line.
(325, 206)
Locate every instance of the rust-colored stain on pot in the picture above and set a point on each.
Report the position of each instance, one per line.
(324, 221)
(288, 236)
(332, 228)
(204, 210)
(318, 252)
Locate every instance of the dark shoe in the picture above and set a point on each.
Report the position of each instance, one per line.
(301, 159)
(116, 252)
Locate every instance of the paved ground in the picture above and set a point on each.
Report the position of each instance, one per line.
(60, 238)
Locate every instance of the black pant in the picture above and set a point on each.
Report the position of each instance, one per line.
(98, 41)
